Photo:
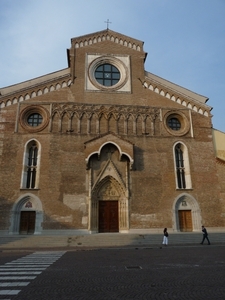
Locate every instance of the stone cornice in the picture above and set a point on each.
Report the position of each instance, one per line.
(178, 95)
(107, 35)
(36, 88)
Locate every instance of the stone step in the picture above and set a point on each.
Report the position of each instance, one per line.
(103, 240)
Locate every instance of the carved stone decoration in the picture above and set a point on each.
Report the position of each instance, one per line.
(110, 115)
(28, 204)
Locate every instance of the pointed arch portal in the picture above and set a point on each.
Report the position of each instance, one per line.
(109, 161)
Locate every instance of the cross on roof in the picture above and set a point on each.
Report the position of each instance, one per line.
(108, 23)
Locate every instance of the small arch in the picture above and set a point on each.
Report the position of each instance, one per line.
(151, 87)
(189, 105)
(8, 103)
(173, 98)
(168, 95)
(33, 94)
(162, 93)
(64, 84)
(45, 90)
(200, 111)
(27, 97)
(178, 100)
(184, 103)
(15, 100)
(156, 90)
(2, 105)
(52, 88)
(39, 93)
(195, 108)
(58, 86)
(206, 113)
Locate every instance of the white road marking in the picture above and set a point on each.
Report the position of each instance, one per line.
(32, 264)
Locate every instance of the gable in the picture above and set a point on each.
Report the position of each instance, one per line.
(107, 35)
(174, 95)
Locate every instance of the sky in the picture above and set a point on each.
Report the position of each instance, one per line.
(184, 39)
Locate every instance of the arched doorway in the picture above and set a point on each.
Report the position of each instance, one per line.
(26, 216)
(186, 214)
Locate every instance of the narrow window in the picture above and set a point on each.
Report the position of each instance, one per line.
(31, 162)
(180, 169)
(32, 166)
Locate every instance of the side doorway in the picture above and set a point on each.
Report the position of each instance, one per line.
(108, 216)
(27, 222)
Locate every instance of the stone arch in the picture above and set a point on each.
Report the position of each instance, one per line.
(27, 202)
(186, 201)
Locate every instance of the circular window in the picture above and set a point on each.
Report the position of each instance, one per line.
(176, 123)
(107, 75)
(34, 118)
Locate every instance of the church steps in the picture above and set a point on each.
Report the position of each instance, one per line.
(103, 240)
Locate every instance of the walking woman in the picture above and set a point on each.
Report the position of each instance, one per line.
(165, 237)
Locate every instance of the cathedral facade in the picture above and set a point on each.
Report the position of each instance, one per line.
(105, 146)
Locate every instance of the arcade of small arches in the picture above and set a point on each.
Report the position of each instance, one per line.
(100, 38)
(177, 99)
(33, 94)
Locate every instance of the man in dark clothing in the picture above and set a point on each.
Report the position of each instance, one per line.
(205, 235)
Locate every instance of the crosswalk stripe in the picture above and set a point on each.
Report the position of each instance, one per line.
(19, 273)
(22, 269)
(12, 273)
(17, 277)
(9, 292)
(16, 283)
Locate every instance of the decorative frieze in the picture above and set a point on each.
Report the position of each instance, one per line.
(97, 119)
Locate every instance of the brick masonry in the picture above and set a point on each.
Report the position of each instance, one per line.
(85, 130)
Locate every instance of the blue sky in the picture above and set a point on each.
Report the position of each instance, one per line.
(185, 39)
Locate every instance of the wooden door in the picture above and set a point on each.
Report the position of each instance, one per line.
(27, 222)
(185, 220)
(108, 216)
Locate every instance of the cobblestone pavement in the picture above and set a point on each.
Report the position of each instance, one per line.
(187, 272)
